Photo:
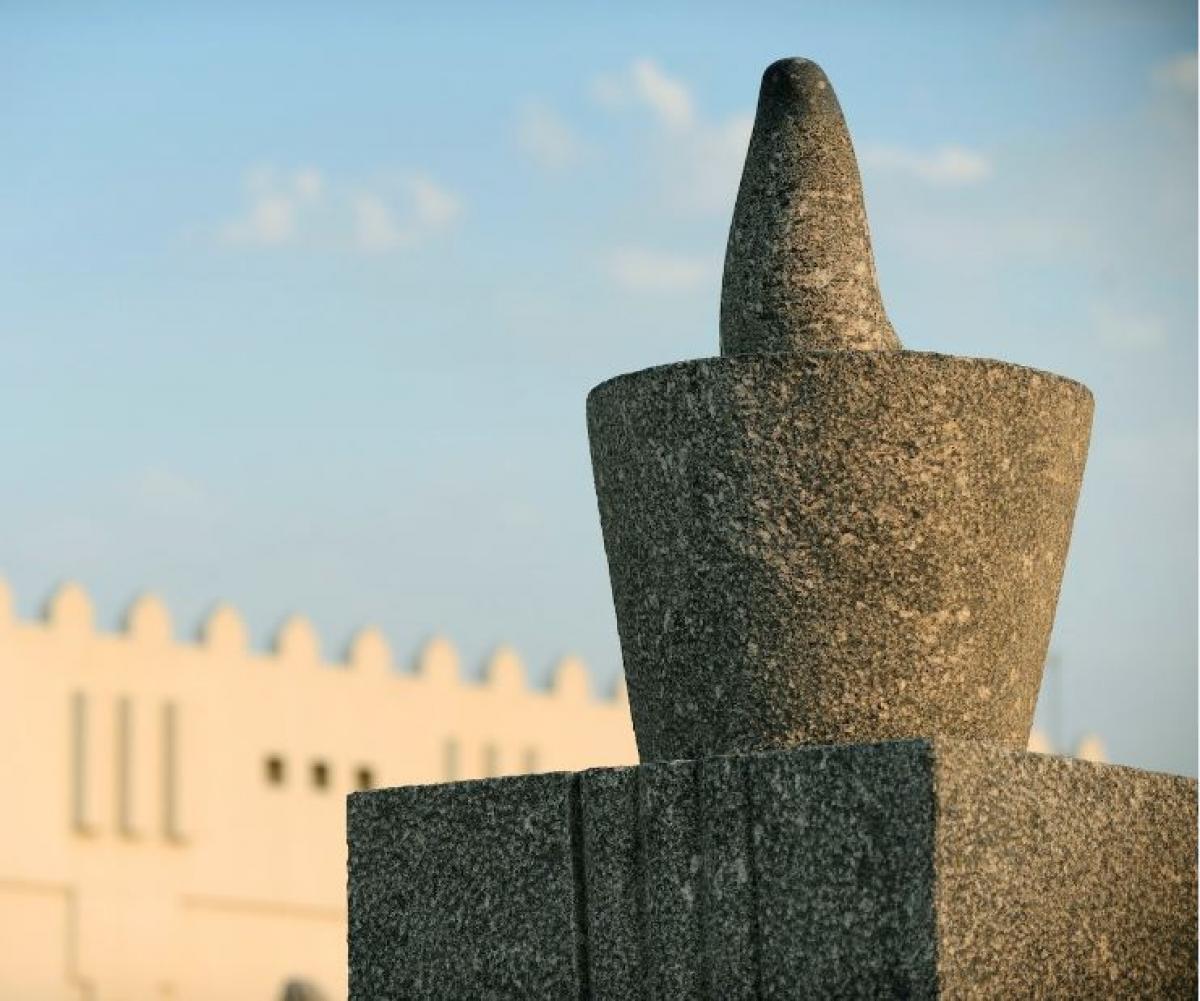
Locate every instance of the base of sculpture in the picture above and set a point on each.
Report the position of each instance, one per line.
(903, 869)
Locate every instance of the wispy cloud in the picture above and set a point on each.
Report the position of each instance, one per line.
(710, 165)
(274, 205)
(945, 166)
(308, 183)
(1126, 330)
(646, 84)
(159, 491)
(300, 206)
(375, 225)
(546, 138)
(699, 162)
(1177, 74)
(640, 269)
(434, 207)
(420, 209)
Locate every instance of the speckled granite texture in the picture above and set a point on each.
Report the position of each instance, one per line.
(835, 547)
(466, 890)
(799, 274)
(913, 869)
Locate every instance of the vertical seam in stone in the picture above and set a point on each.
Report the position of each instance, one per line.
(756, 951)
(702, 879)
(933, 758)
(582, 956)
(641, 874)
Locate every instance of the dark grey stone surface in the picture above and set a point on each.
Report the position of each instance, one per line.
(843, 851)
(903, 869)
(799, 274)
(835, 547)
(1060, 878)
(612, 851)
(729, 921)
(466, 890)
(670, 904)
(669, 830)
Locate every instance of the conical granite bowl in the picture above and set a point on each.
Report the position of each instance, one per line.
(835, 546)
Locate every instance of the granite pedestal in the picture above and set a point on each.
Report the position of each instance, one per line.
(917, 869)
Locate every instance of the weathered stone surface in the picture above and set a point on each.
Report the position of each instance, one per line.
(799, 274)
(1060, 878)
(835, 547)
(667, 869)
(670, 834)
(467, 890)
(612, 860)
(845, 876)
(904, 869)
(729, 921)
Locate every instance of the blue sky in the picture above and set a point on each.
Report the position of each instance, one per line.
(299, 303)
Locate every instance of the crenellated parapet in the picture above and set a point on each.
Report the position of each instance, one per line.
(68, 614)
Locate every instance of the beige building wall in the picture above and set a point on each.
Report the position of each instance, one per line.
(174, 822)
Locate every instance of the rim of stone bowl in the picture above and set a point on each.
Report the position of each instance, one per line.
(865, 358)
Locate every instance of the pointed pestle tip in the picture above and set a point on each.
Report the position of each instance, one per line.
(799, 273)
(799, 84)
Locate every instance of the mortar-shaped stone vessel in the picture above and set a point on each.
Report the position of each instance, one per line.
(818, 537)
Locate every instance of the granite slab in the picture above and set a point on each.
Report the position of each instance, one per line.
(924, 869)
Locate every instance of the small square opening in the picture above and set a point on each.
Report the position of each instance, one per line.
(364, 778)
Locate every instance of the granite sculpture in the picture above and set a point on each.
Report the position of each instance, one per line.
(835, 565)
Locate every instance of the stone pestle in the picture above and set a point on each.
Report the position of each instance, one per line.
(818, 537)
(799, 273)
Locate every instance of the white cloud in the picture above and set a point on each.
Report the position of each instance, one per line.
(707, 166)
(1124, 330)
(425, 209)
(1178, 74)
(639, 269)
(160, 491)
(949, 165)
(434, 207)
(308, 182)
(375, 226)
(645, 83)
(667, 97)
(288, 207)
(271, 219)
(547, 139)
(275, 203)
(699, 162)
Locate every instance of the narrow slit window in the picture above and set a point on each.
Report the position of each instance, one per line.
(491, 761)
(531, 760)
(364, 778)
(80, 819)
(320, 775)
(173, 822)
(125, 764)
(275, 771)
